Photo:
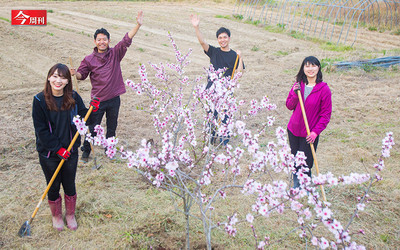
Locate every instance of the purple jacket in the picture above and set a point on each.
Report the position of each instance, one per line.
(105, 70)
(318, 108)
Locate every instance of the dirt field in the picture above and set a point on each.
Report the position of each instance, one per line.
(115, 209)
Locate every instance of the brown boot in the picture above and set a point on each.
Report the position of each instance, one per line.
(56, 211)
(70, 203)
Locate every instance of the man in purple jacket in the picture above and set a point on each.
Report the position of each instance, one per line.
(103, 67)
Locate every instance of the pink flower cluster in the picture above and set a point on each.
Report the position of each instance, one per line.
(80, 125)
(229, 227)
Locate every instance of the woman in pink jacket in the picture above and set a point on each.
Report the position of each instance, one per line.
(318, 106)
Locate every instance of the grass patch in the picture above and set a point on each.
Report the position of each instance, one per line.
(396, 32)
(257, 22)
(291, 72)
(5, 19)
(255, 48)
(276, 29)
(238, 17)
(385, 238)
(281, 53)
(336, 47)
(141, 49)
(298, 35)
(327, 63)
(340, 23)
(223, 16)
(367, 67)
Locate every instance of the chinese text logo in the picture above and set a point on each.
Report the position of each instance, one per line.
(28, 17)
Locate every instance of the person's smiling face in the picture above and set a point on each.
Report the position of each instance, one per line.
(223, 40)
(58, 83)
(102, 43)
(311, 70)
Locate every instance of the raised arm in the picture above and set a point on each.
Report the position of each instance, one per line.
(139, 21)
(195, 20)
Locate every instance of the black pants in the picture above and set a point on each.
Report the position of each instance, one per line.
(66, 176)
(214, 137)
(111, 109)
(300, 144)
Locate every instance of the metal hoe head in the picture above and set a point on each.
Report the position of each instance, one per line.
(96, 166)
(25, 229)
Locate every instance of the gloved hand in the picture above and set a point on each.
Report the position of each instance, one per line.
(311, 138)
(95, 102)
(63, 153)
(296, 87)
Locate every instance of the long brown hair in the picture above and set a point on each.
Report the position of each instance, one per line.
(68, 100)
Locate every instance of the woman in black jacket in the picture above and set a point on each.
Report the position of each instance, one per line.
(52, 112)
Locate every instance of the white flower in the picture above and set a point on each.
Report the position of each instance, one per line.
(361, 206)
(249, 218)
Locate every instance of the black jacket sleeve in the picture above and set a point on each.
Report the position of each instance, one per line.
(43, 130)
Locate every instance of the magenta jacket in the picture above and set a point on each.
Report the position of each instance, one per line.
(318, 108)
(105, 70)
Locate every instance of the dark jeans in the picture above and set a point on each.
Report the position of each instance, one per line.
(111, 109)
(214, 136)
(300, 144)
(66, 176)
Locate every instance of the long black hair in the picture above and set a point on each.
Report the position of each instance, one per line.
(301, 76)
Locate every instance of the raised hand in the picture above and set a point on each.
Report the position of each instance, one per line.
(195, 20)
(139, 18)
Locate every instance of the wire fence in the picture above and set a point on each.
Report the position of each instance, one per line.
(334, 20)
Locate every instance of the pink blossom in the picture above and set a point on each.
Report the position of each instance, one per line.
(325, 213)
(300, 159)
(263, 210)
(250, 218)
(314, 241)
(307, 213)
(296, 206)
(360, 206)
(261, 245)
(236, 170)
(324, 244)
(300, 220)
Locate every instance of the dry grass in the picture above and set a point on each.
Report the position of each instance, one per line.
(115, 208)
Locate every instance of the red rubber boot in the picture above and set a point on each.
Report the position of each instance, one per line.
(56, 212)
(70, 203)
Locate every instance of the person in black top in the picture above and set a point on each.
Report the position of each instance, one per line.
(221, 57)
(53, 110)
